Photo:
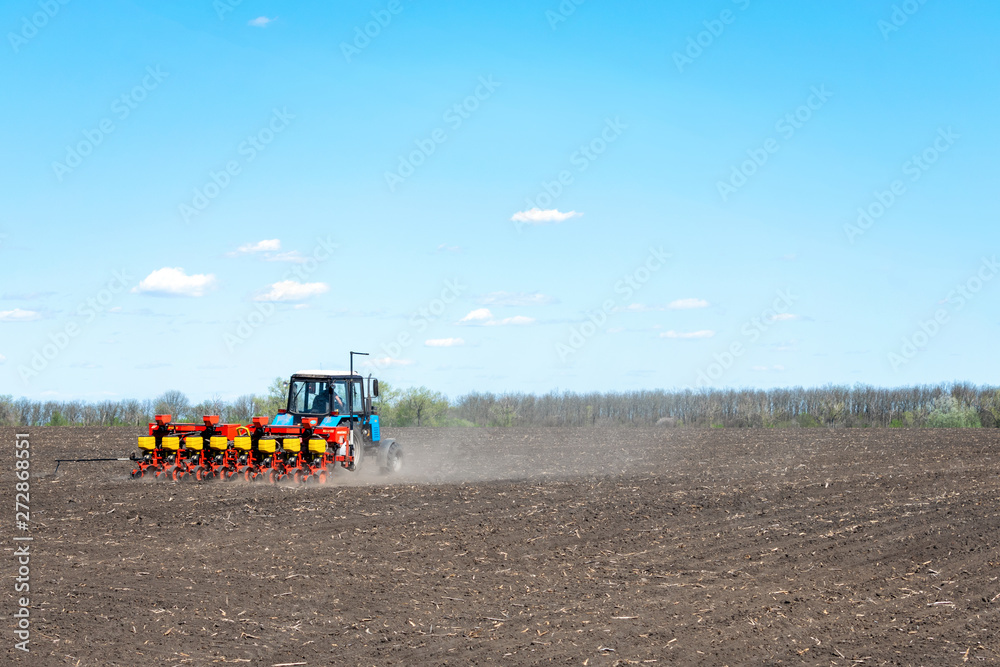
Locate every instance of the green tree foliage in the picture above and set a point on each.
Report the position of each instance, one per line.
(420, 407)
(275, 399)
(949, 412)
(385, 403)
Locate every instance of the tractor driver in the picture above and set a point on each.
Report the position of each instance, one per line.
(339, 397)
(320, 403)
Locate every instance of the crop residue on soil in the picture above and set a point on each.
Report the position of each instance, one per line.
(525, 546)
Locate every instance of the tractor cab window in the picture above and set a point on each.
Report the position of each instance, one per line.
(339, 396)
(311, 397)
(356, 404)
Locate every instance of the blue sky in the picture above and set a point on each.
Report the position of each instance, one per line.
(517, 196)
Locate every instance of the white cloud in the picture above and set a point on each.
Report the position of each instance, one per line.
(172, 281)
(444, 247)
(688, 335)
(268, 245)
(537, 216)
(517, 299)
(784, 317)
(293, 256)
(19, 315)
(270, 249)
(444, 342)
(478, 315)
(685, 304)
(260, 22)
(517, 319)
(484, 317)
(292, 290)
(386, 362)
(2, 358)
(638, 308)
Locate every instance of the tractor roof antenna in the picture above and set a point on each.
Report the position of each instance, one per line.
(360, 354)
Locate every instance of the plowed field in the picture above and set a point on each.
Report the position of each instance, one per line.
(525, 546)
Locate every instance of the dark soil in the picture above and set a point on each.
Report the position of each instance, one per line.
(525, 546)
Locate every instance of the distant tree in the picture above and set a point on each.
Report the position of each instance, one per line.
(504, 411)
(7, 410)
(385, 403)
(990, 408)
(275, 399)
(420, 407)
(241, 409)
(949, 412)
(173, 403)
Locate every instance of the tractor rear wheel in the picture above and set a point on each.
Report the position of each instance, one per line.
(359, 449)
(393, 460)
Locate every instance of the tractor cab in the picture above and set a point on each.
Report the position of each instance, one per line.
(331, 397)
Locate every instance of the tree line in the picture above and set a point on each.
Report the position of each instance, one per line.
(943, 405)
